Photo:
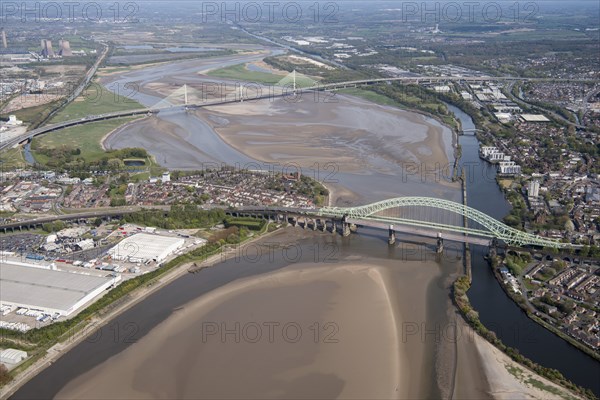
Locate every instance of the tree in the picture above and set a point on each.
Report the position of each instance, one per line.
(4, 375)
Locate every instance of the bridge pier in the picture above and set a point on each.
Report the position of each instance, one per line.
(493, 248)
(323, 225)
(391, 235)
(440, 244)
(314, 224)
(345, 229)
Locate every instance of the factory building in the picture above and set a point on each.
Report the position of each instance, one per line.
(49, 291)
(143, 247)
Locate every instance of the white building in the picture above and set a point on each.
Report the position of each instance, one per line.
(491, 153)
(509, 168)
(13, 121)
(12, 356)
(143, 247)
(49, 291)
(533, 189)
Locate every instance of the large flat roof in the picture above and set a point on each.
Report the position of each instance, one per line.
(46, 289)
(534, 118)
(145, 246)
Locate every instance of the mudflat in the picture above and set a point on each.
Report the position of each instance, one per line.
(355, 134)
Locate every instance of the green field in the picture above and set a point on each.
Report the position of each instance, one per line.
(33, 115)
(370, 96)
(85, 137)
(12, 159)
(96, 100)
(241, 73)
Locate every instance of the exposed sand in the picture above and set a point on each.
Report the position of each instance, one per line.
(354, 134)
(505, 385)
(367, 361)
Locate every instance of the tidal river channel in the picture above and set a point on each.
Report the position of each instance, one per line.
(367, 291)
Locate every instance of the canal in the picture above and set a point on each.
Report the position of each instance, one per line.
(496, 310)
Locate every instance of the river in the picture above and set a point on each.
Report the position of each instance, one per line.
(496, 310)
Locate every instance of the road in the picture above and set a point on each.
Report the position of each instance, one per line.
(524, 103)
(79, 89)
(277, 92)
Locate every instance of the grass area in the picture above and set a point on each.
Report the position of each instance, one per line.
(370, 96)
(529, 285)
(97, 100)
(406, 101)
(514, 371)
(12, 159)
(85, 137)
(550, 389)
(515, 264)
(242, 73)
(33, 115)
(505, 183)
(250, 223)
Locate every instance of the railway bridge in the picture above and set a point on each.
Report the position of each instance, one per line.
(419, 216)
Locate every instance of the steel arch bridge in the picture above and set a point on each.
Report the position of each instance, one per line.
(494, 229)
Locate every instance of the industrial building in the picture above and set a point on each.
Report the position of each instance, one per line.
(143, 247)
(49, 291)
(12, 356)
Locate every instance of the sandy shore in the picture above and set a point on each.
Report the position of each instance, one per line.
(301, 361)
(509, 380)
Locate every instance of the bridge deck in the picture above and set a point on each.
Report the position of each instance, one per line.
(413, 230)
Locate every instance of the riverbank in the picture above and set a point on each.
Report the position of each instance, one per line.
(114, 309)
(542, 378)
(519, 301)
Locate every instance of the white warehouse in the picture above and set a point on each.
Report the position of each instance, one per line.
(143, 247)
(49, 291)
